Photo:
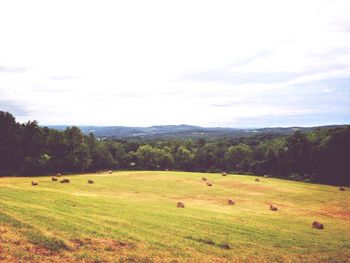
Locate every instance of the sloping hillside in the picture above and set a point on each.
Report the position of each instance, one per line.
(133, 217)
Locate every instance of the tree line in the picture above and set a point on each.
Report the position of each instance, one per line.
(321, 156)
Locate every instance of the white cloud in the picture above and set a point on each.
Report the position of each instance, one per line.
(160, 62)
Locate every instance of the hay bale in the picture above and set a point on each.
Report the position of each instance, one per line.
(65, 181)
(109, 172)
(230, 202)
(225, 246)
(34, 183)
(90, 181)
(273, 208)
(317, 225)
(53, 178)
(257, 180)
(180, 205)
(209, 184)
(224, 174)
(204, 179)
(266, 176)
(58, 175)
(342, 188)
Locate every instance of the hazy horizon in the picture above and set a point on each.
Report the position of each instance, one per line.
(206, 63)
(183, 124)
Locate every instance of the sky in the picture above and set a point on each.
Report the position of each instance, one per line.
(243, 63)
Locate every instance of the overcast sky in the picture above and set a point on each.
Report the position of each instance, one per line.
(209, 63)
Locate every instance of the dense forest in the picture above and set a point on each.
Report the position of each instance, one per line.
(322, 155)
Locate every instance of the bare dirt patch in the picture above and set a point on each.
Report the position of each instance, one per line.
(330, 212)
(76, 243)
(40, 251)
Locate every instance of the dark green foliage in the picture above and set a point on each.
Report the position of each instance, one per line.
(183, 158)
(321, 155)
(11, 150)
(334, 157)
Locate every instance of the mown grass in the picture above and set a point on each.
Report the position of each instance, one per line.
(132, 217)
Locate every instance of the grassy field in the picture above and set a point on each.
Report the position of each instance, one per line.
(132, 217)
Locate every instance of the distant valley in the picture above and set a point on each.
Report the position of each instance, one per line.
(183, 131)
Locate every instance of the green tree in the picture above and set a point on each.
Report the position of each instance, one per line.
(236, 154)
(207, 157)
(184, 158)
(148, 157)
(299, 153)
(11, 150)
(166, 158)
(78, 157)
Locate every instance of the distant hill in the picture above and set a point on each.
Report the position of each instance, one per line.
(183, 131)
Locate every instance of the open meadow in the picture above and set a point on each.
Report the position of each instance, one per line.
(132, 216)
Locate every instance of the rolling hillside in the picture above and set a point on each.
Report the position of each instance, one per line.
(184, 131)
(133, 217)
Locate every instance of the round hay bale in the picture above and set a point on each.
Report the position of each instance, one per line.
(342, 188)
(58, 175)
(180, 205)
(209, 184)
(34, 183)
(109, 172)
(273, 208)
(266, 176)
(204, 179)
(230, 202)
(65, 181)
(224, 174)
(317, 225)
(53, 178)
(225, 246)
(90, 181)
(257, 180)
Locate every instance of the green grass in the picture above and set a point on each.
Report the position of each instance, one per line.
(132, 217)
